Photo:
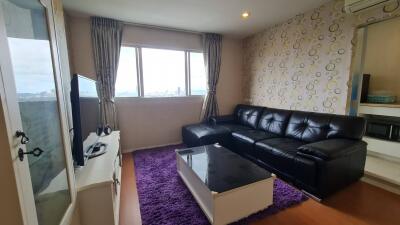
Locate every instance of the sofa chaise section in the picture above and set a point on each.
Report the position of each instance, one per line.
(219, 129)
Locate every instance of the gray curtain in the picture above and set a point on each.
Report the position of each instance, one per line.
(106, 42)
(212, 45)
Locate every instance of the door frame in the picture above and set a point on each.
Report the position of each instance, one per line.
(13, 122)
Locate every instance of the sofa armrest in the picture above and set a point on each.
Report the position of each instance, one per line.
(222, 119)
(331, 148)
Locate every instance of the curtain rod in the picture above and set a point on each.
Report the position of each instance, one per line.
(162, 28)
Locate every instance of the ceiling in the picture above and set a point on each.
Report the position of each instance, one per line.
(219, 16)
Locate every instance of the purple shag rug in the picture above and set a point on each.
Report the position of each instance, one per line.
(164, 198)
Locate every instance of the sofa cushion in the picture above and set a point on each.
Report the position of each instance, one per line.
(278, 152)
(331, 148)
(252, 136)
(248, 115)
(274, 121)
(308, 127)
(215, 120)
(347, 127)
(313, 127)
(232, 127)
(204, 134)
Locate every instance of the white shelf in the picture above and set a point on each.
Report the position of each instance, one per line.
(384, 147)
(379, 109)
(383, 169)
(394, 105)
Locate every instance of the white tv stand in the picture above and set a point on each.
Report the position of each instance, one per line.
(98, 184)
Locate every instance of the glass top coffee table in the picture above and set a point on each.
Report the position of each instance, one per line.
(226, 186)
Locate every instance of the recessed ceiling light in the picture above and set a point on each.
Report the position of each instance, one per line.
(245, 15)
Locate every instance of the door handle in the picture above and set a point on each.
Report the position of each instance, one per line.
(35, 152)
(22, 135)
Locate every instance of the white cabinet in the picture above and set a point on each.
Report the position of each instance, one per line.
(98, 185)
(382, 163)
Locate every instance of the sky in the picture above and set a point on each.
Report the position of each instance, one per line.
(32, 65)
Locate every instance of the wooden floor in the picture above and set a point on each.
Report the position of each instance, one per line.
(359, 204)
(129, 213)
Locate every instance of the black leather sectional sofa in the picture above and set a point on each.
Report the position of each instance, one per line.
(318, 153)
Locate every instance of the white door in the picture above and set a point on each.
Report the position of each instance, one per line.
(33, 100)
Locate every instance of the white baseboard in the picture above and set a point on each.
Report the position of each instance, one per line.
(149, 147)
(384, 156)
(381, 184)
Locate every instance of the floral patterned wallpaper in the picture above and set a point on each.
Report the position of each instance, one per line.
(304, 63)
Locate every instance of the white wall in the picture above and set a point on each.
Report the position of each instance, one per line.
(146, 122)
(161, 38)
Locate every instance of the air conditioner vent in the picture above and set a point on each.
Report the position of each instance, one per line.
(355, 6)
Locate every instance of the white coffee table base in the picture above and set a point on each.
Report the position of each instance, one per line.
(229, 206)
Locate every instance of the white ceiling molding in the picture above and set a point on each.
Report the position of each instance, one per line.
(219, 16)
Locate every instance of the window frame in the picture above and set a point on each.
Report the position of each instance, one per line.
(139, 71)
(189, 75)
(138, 62)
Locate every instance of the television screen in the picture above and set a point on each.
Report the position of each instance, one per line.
(85, 114)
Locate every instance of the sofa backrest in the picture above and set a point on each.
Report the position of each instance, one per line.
(274, 120)
(350, 127)
(312, 127)
(248, 115)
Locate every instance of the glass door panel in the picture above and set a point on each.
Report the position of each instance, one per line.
(30, 51)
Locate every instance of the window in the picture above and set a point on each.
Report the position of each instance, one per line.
(126, 84)
(150, 72)
(163, 73)
(197, 74)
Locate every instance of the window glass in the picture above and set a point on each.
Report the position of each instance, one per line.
(163, 72)
(87, 88)
(197, 74)
(126, 83)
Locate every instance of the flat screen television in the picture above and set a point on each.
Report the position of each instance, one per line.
(85, 115)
